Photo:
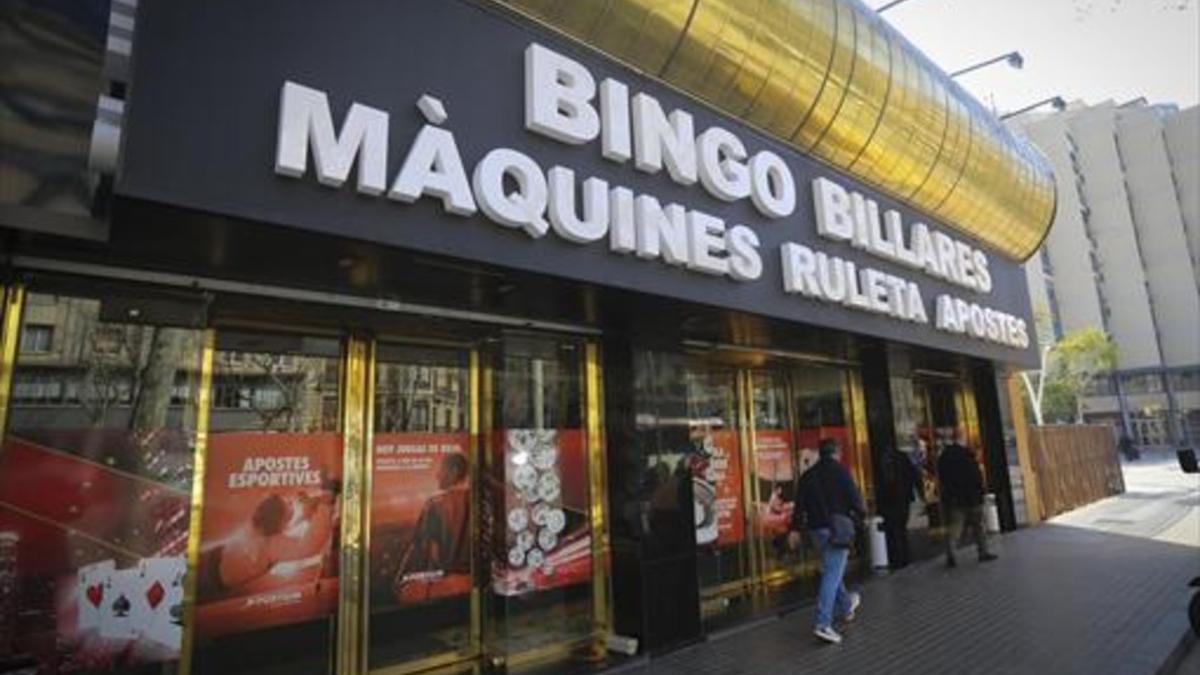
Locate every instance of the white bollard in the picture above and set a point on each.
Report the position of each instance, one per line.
(879, 554)
(991, 514)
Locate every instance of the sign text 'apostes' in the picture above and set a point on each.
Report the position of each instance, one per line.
(564, 102)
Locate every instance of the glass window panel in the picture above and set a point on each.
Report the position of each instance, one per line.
(267, 581)
(95, 487)
(537, 497)
(421, 543)
(774, 468)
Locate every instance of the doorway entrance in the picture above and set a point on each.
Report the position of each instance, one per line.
(743, 427)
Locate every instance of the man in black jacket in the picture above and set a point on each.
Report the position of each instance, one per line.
(962, 498)
(900, 482)
(827, 489)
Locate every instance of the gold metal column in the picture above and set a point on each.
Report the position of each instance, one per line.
(13, 298)
(350, 651)
(199, 465)
(759, 571)
(744, 400)
(856, 416)
(594, 401)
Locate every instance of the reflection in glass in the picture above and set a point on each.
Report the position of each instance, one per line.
(713, 453)
(420, 574)
(537, 498)
(774, 468)
(95, 484)
(267, 580)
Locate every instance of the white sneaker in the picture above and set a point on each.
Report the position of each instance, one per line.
(855, 603)
(829, 635)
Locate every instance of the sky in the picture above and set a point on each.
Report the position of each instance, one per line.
(1091, 50)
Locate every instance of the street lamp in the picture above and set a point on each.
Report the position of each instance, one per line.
(1055, 102)
(1013, 59)
(885, 7)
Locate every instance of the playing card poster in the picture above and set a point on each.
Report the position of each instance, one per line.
(538, 487)
(717, 488)
(775, 473)
(268, 551)
(420, 518)
(93, 535)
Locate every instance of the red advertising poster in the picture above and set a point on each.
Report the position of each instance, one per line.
(776, 475)
(717, 489)
(270, 524)
(540, 511)
(420, 517)
(92, 557)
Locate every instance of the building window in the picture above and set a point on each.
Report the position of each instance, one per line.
(37, 338)
(1145, 383)
(1188, 380)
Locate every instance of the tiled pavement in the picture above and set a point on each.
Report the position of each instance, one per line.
(1062, 599)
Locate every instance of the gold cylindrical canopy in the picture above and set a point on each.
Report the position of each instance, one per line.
(832, 79)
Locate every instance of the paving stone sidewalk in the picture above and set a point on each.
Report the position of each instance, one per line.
(1061, 599)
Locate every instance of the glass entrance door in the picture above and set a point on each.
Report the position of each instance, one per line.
(422, 593)
(543, 498)
(775, 472)
(268, 564)
(714, 456)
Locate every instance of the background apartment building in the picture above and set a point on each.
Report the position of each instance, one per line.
(1124, 255)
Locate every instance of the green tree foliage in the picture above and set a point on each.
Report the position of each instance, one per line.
(1054, 393)
(1081, 356)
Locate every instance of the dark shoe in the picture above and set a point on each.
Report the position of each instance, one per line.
(951, 562)
(988, 557)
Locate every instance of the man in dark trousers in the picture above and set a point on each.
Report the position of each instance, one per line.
(900, 482)
(824, 490)
(962, 498)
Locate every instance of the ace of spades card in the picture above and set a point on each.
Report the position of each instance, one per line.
(91, 592)
(120, 615)
(160, 588)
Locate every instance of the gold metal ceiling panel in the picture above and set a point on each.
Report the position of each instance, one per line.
(834, 80)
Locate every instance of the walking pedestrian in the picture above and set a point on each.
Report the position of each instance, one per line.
(962, 498)
(900, 483)
(828, 505)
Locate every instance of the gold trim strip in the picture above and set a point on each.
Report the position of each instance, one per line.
(474, 412)
(13, 298)
(745, 452)
(368, 477)
(199, 467)
(350, 616)
(593, 392)
(759, 562)
(865, 467)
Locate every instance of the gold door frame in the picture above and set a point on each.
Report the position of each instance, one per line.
(199, 466)
(359, 638)
(352, 641)
(13, 299)
(592, 393)
(762, 579)
(854, 412)
(357, 413)
(747, 555)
